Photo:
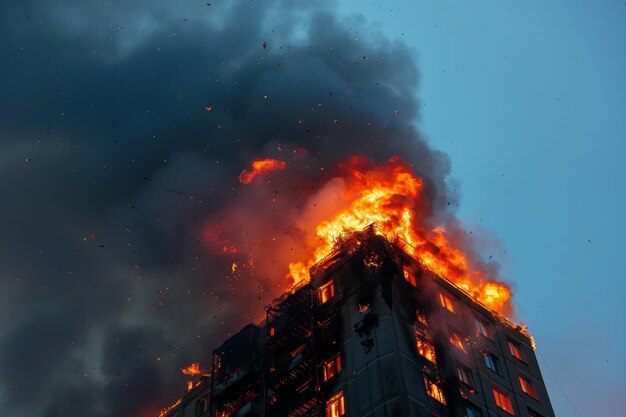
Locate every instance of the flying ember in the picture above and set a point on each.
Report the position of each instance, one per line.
(392, 196)
(260, 167)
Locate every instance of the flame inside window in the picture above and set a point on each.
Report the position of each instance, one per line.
(447, 302)
(434, 390)
(516, 351)
(336, 406)
(409, 277)
(457, 341)
(502, 399)
(426, 349)
(528, 388)
(332, 367)
(326, 292)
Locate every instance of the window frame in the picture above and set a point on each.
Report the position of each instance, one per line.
(464, 370)
(527, 387)
(457, 337)
(340, 399)
(477, 411)
(515, 349)
(409, 276)
(497, 368)
(447, 301)
(321, 291)
(482, 327)
(204, 400)
(429, 383)
(498, 395)
(336, 369)
(428, 347)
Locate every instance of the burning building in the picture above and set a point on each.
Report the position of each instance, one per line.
(372, 333)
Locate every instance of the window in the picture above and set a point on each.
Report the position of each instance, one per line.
(326, 292)
(426, 349)
(482, 326)
(502, 399)
(434, 390)
(447, 302)
(492, 362)
(421, 317)
(515, 350)
(528, 388)
(332, 367)
(472, 411)
(533, 413)
(203, 405)
(465, 375)
(272, 331)
(336, 406)
(409, 277)
(457, 341)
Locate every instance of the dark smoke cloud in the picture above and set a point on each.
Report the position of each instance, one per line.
(113, 174)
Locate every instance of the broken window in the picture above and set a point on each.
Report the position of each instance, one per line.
(434, 389)
(336, 406)
(502, 399)
(332, 367)
(528, 388)
(326, 292)
(447, 302)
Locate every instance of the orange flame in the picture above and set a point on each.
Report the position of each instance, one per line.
(193, 369)
(392, 197)
(260, 167)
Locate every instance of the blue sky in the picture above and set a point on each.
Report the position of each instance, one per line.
(112, 170)
(529, 101)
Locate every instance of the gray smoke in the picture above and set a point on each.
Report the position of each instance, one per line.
(124, 126)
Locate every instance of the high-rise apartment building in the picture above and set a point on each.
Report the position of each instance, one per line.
(373, 334)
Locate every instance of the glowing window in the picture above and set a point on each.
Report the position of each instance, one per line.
(426, 349)
(515, 350)
(465, 375)
(482, 326)
(457, 341)
(492, 362)
(528, 388)
(434, 390)
(421, 317)
(409, 277)
(336, 406)
(326, 292)
(502, 399)
(447, 302)
(332, 367)
(272, 331)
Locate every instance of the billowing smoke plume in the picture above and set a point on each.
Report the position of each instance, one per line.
(126, 234)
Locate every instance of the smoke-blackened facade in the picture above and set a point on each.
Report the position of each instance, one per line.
(372, 334)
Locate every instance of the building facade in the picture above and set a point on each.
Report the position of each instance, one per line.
(373, 335)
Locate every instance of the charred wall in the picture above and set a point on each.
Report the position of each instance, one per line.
(373, 334)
